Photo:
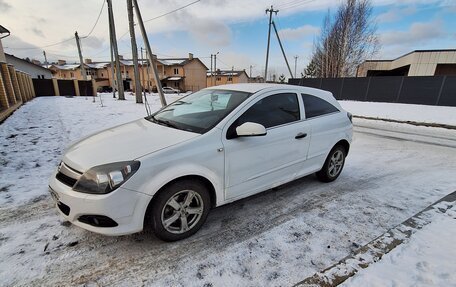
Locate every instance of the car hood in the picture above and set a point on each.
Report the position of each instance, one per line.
(122, 143)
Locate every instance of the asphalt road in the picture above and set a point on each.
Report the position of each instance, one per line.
(275, 238)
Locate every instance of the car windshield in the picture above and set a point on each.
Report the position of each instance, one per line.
(200, 111)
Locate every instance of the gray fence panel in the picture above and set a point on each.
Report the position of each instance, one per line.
(448, 95)
(384, 89)
(85, 88)
(66, 87)
(420, 90)
(43, 87)
(354, 89)
(333, 85)
(424, 90)
(310, 82)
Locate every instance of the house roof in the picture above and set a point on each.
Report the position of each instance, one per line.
(171, 62)
(25, 61)
(227, 73)
(67, 66)
(414, 51)
(98, 65)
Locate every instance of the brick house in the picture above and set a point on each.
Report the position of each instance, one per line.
(222, 77)
(185, 74)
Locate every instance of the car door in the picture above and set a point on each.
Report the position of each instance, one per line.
(322, 118)
(256, 163)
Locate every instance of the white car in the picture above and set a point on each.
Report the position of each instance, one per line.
(169, 90)
(207, 149)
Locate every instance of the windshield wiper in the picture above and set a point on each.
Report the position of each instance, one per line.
(164, 122)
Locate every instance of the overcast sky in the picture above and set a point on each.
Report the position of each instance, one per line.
(237, 29)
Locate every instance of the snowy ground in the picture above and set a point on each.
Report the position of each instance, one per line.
(402, 112)
(427, 259)
(275, 238)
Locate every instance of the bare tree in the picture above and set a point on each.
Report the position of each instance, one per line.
(347, 39)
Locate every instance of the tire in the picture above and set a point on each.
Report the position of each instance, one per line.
(175, 215)
(333, 165)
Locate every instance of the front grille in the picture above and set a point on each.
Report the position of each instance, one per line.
(65, 179)
(64, 208)
(67, 175)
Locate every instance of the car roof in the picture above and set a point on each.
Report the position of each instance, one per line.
(256, 87)
(245, 87)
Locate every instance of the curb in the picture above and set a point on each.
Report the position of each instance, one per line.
(374, 250)
(434, 125)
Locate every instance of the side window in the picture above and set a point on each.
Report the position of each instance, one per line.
(314, 106)
(272, 111)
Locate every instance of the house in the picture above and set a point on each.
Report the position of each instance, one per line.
(185, 74)
(65, 71)
(415, 63)
(257, 79)
(222, 77)
(34, 70)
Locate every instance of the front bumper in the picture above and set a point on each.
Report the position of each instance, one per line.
(125, 207)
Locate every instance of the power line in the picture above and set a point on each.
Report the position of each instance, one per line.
(61, 42)
(96, 22)
(42, 47)
(175, 10)
(151, 19)
(297, 4)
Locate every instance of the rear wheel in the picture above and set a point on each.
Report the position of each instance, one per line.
(333, 164)
(180, 209)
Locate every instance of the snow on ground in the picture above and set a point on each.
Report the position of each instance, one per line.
(402, 112)
(427, 259)
(278, 237)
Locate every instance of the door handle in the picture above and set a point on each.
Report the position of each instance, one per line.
(300, 136)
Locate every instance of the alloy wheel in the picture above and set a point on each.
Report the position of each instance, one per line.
(182, 211)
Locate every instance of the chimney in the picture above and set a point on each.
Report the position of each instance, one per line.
(120, 57)
(190, 56)
(36, 62)
(61, 62)
(88, 61)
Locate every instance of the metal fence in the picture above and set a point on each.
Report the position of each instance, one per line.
(433, 90)
(60, 87)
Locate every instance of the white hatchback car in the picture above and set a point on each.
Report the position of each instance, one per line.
(207, 149)
(169, 90)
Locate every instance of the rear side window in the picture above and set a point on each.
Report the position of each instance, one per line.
(315, 107)
(273, 111)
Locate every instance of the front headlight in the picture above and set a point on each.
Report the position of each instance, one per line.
(105, 178)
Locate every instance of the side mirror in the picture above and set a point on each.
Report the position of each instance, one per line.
(249, 129)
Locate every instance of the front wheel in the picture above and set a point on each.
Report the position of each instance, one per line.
(180, 209)
(333, 165)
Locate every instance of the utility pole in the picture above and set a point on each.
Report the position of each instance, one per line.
(148, 72)
(215, 67)
(281, 48)
(142, 73)
(134, 52)
(112, 31)
(149, 51)
(45, 59)
(270, 11)
(113, 85)
(212, 72)
(296, 63)
(78, 43)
